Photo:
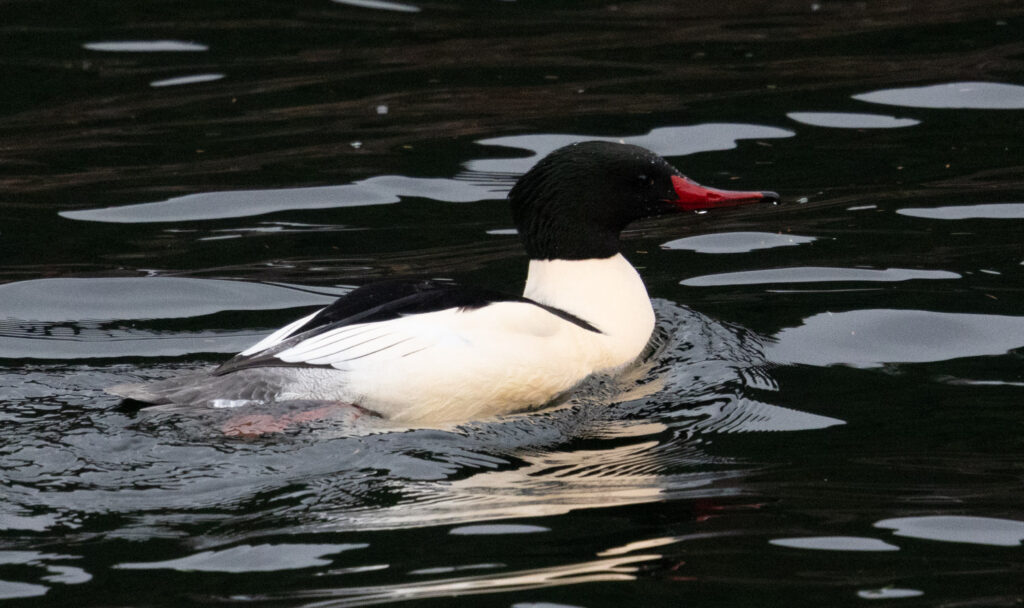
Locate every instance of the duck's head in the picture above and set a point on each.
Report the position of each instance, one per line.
(574, 203)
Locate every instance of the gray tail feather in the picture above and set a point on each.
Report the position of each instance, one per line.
(179, 389)
(201, 387)
(136, 392)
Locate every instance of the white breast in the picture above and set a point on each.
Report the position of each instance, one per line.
(459, 364)
(606, 292)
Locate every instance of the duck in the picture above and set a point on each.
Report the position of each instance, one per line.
(432, 351)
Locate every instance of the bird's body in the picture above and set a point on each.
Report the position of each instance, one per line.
(428, 351)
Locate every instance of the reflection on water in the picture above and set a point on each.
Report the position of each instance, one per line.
(381, 5)
(835, 543)
(999, 211)
(814, 274)
(10, 590)
(146, 46)
(544, 485)
(736, 242)
(248, 558)
(596, 571)
(959, 529)
(490, 529)
(845, 120)
(180, 80)
(52, 573)
(381, 190)
(868, 338)
(149, 298)
(888, 593)
(953, 95)
(666, 141)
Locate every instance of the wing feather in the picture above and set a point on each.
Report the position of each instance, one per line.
(414, 335)
(335, 347)
(368, 327)
(278, 336)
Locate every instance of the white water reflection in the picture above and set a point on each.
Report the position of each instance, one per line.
(146, 46)
(666, 141)
(250, 558)
(847, 120)
(66, 575)
(815, 274)
(835, 543)
(380, 190)
(497, 529)
(59, 300)
(888, 593)
(180, 80)
(996, 211)
(93, 341)
(870, 338)
(556, 482)
(959, 529)
(52, 573)
(34, 523)
(953, 95)
(736, 242)
(11, 590)
(380, 5)
(644, 545)
(547, 484)
(622, 568)
(451, 569)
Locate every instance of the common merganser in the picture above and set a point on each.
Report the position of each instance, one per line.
(429, 351)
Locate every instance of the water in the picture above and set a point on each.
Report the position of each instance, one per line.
(831, 414)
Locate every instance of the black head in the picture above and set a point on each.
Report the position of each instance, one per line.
(575, 202)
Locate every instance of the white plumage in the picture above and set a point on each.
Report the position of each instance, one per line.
(453, 364)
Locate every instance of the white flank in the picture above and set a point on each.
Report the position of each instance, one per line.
(459, 364)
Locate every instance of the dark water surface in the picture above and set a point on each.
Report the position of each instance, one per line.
(833, 411)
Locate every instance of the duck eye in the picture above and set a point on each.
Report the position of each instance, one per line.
(645, 180)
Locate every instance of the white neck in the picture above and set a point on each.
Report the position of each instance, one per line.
(605, 292)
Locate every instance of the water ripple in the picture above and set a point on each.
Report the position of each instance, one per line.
(163, 467)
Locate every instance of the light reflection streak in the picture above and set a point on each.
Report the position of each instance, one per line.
(550, 484)
(597, 571)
